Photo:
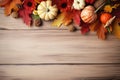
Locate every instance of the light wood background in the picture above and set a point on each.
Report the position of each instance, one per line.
(49, 53)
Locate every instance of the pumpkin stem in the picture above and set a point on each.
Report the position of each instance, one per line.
(48, 10)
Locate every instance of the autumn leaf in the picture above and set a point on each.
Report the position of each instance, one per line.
(11, 6)
(101, 32)
(76, 17)
(25, 15)
(116, 27)
(85, 28)
(94, 26)
(59, 21)
(68, 18)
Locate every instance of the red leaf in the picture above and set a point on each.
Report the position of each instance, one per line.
(85, 28)
(25, 15)
(76, 17)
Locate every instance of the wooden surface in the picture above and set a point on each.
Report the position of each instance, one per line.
(49, 53)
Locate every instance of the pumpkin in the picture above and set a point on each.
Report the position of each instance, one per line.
(104, 17)
(46, 10)
(90, 1)
(79, 4)
(88, 14)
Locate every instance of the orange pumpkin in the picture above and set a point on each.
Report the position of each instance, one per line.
(105, 17)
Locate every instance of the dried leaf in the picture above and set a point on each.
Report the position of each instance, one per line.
(116, 27)
(101, 32)
(58, 22)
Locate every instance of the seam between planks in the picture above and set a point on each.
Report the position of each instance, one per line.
(37, 64)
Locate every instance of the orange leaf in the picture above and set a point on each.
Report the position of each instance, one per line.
(101, 32)
(68, 18)
(11, 6)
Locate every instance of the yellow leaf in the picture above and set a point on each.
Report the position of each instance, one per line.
(116, 28)
(59, 21)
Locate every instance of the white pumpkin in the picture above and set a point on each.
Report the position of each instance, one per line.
(46, 10)
(79, 4)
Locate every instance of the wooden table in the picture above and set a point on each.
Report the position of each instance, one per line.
(49, 53)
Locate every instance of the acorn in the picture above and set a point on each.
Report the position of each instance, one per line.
(38, 22)
(14, 14)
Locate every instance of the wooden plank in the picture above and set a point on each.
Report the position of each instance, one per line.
(56, 46)
(59, 72)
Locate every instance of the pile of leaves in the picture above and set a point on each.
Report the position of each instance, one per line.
(69, 14)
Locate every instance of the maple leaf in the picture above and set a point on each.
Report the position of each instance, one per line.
(26, 16)
(116, 27)
(85, 28)
(59, 21)
(101, 32)
(11, 6)
(76, 17)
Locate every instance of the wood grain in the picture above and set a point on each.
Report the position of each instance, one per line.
(54, 46)
(56, 72)
(49, 53)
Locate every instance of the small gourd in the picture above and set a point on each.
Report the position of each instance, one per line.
(88, 14)
(104, 17)
(79, 4)
(46, 10)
